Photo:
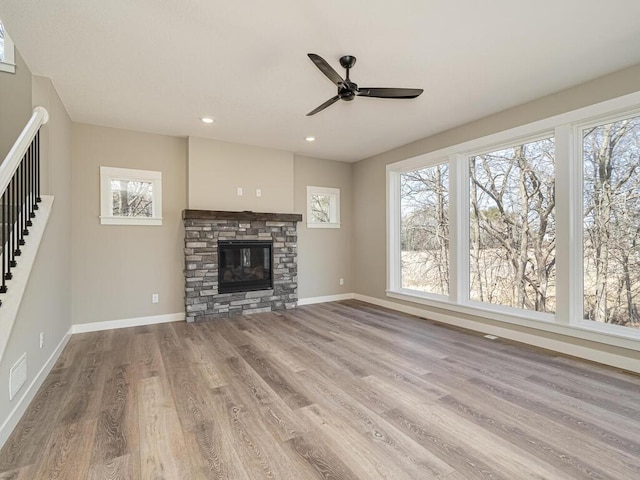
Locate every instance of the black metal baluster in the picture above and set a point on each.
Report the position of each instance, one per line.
(5, 259)
(19, 205)
(24, 214)
(12, 260)
(33, 178)
(29, 183)
(18, 222)
(38, 199)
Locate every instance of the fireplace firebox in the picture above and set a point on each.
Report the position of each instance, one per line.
(244, 265)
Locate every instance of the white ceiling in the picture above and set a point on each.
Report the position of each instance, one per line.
(159, 65)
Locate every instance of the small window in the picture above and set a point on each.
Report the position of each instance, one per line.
(7, 59)
(323, 207)
(130, 197)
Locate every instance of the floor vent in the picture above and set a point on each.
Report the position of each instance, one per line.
(17, 376)
(491, 337)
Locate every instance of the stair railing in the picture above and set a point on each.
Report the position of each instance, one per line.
(19, 192)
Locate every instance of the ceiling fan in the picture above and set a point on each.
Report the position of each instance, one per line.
(348, 90)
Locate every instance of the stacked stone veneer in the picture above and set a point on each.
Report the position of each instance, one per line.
(203, 229)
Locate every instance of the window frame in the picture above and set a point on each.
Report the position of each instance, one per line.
(465, 282)
(8, 63)
(107, 174)
(577, 133)
(334, 206)
(394, 281)
(431, 295)
(565, 129)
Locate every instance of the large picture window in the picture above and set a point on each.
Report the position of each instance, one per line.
(611, 222)
(537, 226)
(425, 229)
(512, 226)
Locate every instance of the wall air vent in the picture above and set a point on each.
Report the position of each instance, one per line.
(17, 376)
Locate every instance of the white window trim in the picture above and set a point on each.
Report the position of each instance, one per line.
(569, 294)
(8, 63)
(334, 205)
(106, 202)
(576, 223)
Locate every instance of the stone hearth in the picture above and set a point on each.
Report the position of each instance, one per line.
(203, 229)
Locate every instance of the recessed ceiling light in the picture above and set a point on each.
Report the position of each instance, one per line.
(310, 139)
(207, 119)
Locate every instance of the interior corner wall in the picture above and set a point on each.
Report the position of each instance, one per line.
(15, 104)
(217, 169)
(46, 304)
(117, 268)
(324, 254)
(370, 179)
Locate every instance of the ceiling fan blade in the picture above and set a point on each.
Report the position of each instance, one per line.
(325, 68)
(329, 102)
(390, 92)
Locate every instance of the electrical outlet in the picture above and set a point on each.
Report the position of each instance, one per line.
(155, 298)
(239, 191)
(342, 281)
(41, 339)
(258, 192)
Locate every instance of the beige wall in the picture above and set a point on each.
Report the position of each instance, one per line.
(324, 254)
(370, 186)
(116, 268)
(15, 104)
(46, 305)
(217, 169)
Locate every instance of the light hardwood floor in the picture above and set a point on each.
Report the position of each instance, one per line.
(333, 391)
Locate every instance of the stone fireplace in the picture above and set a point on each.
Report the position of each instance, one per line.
(239, 263)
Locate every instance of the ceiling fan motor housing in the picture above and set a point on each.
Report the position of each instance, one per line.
(347, 91)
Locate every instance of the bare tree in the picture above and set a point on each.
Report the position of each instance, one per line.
(321, 208)
(132, 198)
(612, 222)
(425, 229)
(1, 41)
(512, 226)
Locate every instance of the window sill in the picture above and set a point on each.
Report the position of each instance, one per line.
(130, 221)
(7, 67)
(545, 322)
(323, 225)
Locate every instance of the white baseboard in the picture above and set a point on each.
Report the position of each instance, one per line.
(327, 298)
(127, 322)
(560, 346)
(29, 394)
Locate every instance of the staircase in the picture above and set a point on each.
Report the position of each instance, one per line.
(20, 205)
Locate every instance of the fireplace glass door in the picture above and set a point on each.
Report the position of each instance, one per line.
(244, 265)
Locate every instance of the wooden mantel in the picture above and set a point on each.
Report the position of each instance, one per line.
(246, 215)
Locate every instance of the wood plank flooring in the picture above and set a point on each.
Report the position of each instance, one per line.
(336, 391)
